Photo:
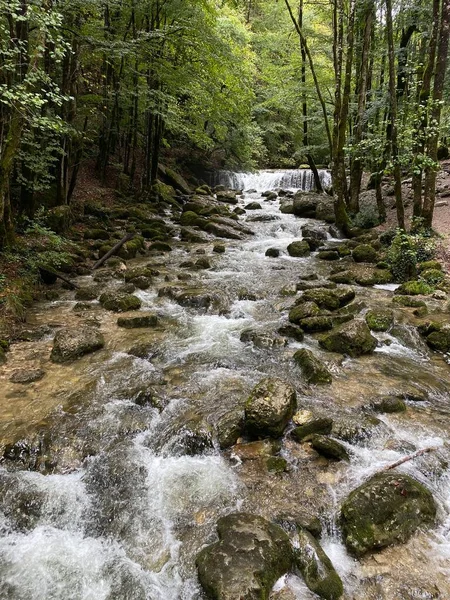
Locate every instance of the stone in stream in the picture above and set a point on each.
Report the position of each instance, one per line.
(387, 509)
(379, 319)
(250, 556)
(27, 375)
(230, 428)
(118, 302)
(87, 293)
(273, 252)
(253, 206)
(292, 331)
(313, 369)
(269, 408)
(352, 338)
(136, 321)
(327, 447)
(312, 425)
(70, 344)
(331, 299)
(313, 232)
(439, 340)
(390, 404)
(319, 323)
(303, 311)
(228, 196)
(299, 248)
(219, 248)
(365, 253)
(316, 568)
(328, 255)
(262, 339)
(305, 204)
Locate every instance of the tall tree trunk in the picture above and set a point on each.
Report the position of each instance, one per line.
(393, 119)
(438, 89)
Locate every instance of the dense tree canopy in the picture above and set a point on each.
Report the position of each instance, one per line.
(358, 85)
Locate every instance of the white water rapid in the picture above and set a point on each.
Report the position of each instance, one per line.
(271, 179)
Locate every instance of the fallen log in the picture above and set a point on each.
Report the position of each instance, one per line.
(407, 458)
(50, 276)
(113, 250)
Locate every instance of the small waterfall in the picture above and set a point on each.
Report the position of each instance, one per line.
(291, 179)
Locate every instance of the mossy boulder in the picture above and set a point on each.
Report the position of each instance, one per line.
(319, 323)
(302, 311)
(228, 196)
(137, 321)
(408, 302)
(160, 247)
(253, 206)
(313, 369)
(176, 180)
(432, 276)
(188, 234)
(342, 277)
(96, 234)
(118, 302)
(365, 253)
(390, 404)
(142, 271)
(305, 204)
(191, 219)
(379, 319)
(219, 248)
(312, 425)
(439, 340)
(250, 556)
(87, 293)
(276, 464)
(373, 276)
(163, 192)
(352, 338)
(330, 299)
(430, 264)
(292, 331)
(313, 232)
(328, 447)
(273, 252)
(269, 408)
(131, 248)
(70, 344)
(385, 510)
(230, 427)
(414, 288)
(316, 568)
(299, 248)
(328, 255)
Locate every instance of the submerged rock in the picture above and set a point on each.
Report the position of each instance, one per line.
(352, 338)
(385, 510)
(313, 369)
(328, 447)
(27, 375)
(316, 568)
(269, 408)
(136, 321)
(249, 557)
(118, 302)
(70, 344)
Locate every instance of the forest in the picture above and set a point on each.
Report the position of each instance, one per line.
(121, 87)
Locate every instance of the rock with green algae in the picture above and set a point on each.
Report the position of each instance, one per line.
(408, 302)
(250, 556)
(379, 319)
(313, 369)
(320, 425)
(269, 408)
(138, 321)
(352, 338)
(440, 340)
(387, 509)
(390, 404)
(276, 464)
(303, 311)
(316, 568)
(118, 302)
(414, 288)
(191, 219)
(330, 299)
(327, 447)
(320, 323)
(365, 253)
(299, 248)
(70, 344)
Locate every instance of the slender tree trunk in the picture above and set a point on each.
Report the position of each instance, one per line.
(393, 119)
(438, 89)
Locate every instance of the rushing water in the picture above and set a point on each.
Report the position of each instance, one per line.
(123, 504)
(271, 179)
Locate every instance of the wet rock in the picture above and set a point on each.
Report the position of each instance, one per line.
(87, 293)
(194, 437)
(135, 272)
(391, 404)
(319, 323)
(331, 299)
(303, 311)
(263, 218)
(313, 369)
(325, 209)
(312, 425)
(352, 338)
(355, 429)
(342, 277)
(149, 397)
(380, 320)
(365, 253)
(273, 252)
(298, 249)
(385, 510)
(229, 428)
(249, 557)
(287, 206)
(328, 447)
(253, 206)
(21, 505)
(276, 464)
(328, 255)
(262, 339)
(196, 298)
(439, 340)
(305, 204)
(137, 321)
(223, 231)
(160, 247)
(313, 232)
(228, 196)
(303, 285)
(70, 344)
(292, 331)
(316, 568)
(245, 294)
(27, 375)
(193, 236)
(269, 408)
(143, 283)
(202, 263)
(219, 248)
(256, 450)
(118, 302)
(144, 351)
(408, 302)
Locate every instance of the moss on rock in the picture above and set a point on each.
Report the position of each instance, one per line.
(379, 320)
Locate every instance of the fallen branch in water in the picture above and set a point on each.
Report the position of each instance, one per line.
(45, 272)
(407, 458)
(127, 238)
